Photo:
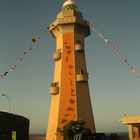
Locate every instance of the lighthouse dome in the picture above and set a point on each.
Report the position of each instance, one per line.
(69, 4)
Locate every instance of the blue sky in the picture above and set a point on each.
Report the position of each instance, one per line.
(114, 89)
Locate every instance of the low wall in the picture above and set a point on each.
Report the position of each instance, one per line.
(111, 136)
(37, 138)
(117, 136)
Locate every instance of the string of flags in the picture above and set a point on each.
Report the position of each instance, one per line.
(34, 40)
(115, 48)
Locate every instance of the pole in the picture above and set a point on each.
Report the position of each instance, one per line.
(8, 101)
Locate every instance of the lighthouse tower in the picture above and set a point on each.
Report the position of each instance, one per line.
(70, 99)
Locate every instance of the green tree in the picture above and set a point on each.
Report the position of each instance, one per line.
(71, 128)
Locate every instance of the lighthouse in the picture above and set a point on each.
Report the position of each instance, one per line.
(69, 90)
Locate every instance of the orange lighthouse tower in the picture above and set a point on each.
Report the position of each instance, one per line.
(70, 99)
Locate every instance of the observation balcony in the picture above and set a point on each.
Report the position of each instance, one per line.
(57, 55)
(54, 89)
(81, 76)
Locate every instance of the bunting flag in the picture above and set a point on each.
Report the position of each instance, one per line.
(34, 40)
(13, 67)
(114, 47)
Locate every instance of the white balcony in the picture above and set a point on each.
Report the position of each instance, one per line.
(82, 77)
(57, 56)
(54, 89)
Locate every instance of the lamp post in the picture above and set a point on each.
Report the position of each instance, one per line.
(8, 100)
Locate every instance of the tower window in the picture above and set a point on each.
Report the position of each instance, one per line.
(81, 72)
(78, 46)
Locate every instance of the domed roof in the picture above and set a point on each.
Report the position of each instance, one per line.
(69, 3)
